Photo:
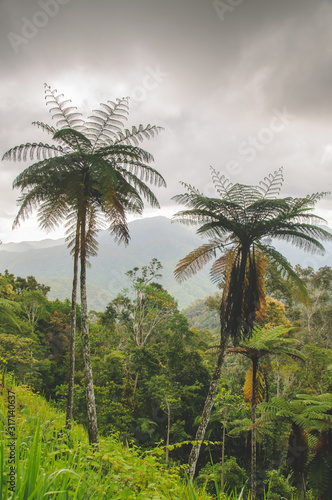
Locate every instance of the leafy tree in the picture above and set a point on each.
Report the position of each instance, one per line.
(152, 304)
(93, 169)
(161, 387)
(227, 408)
(237, 224)
(315, 321)
(30, 284)
(33, 303)
(7, 286)
(142, 311)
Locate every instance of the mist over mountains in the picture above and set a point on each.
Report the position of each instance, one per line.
(49, 261)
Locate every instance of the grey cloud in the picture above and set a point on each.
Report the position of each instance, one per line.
(224, 78)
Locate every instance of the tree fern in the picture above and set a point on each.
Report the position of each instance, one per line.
(95, 168)
(240, 219)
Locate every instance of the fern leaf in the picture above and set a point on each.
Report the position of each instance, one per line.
(272, 185)
(195, 261)
(221, 183)
(40, 150)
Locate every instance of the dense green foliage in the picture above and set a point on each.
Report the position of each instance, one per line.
(50, 461)
(151, 375)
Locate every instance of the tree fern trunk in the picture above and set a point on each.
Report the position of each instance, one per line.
(194, 454)
(253, 431)
(89, 391)
(71, 376)
(223, 457)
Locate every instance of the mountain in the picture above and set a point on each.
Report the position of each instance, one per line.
(49, 261)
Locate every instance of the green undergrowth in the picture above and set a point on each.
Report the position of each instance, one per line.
(47, 462)
(50, 463)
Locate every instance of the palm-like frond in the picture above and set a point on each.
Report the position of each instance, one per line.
(300, 238)
(74, 139)
(218, 269)
(45, 127)
(272, 341)
(140, 187)
(271, 185)
(105, 124)
(62, 111)
(137, 134)
(34, 150)
(221, 183)
(286, 270)
(195, 260)
(306, 411)
(53, 210)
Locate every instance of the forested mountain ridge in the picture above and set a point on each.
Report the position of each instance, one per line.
(154, 237)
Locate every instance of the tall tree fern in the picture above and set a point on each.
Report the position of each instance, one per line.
(237, 224)
(95, 167)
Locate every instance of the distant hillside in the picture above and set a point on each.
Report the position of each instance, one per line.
(49, 261)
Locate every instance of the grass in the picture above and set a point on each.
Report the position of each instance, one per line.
(51, 463)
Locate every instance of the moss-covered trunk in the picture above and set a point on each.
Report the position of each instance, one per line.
(71, 375)
(89, 391)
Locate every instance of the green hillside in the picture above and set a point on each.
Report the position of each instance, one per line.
(49, 463)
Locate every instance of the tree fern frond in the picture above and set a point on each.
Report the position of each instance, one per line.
(195, 260)
(105, 123)
(45, 127)
(299, 239)
(27, 204)
(137, 135)
(286, 269)
(39, 150)
(141, 188)
(52, 211)
(68, 119)
(217, 271)
(270, 187)
(73, 138)
(221, 183)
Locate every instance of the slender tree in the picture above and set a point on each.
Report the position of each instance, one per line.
(262, 345)
(237, 223)
(96, 167)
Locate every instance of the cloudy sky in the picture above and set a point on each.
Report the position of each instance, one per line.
(242, 85)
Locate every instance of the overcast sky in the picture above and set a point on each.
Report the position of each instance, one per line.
(242, 85)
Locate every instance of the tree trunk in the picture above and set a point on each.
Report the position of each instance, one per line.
(278, 377)
(71, 376)
(193, 457)
(223, 457)
(89, 391)
(135, 383)
(253, 431)
(168, 431)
